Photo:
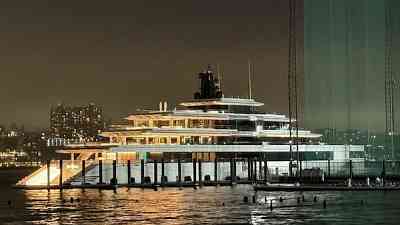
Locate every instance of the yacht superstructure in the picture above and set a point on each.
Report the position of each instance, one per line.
(207, 128)
(214, 125)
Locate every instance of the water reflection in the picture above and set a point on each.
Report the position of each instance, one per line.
(208, 205)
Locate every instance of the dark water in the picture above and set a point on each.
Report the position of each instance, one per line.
(208, 205)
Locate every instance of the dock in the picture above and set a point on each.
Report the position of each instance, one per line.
(108, 186)
(323, 188)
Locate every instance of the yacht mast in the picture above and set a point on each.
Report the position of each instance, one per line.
(249, 79)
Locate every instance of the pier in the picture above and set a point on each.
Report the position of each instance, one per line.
(264, 175)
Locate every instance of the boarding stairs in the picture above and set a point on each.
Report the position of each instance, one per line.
(78, 178)
(71, 169)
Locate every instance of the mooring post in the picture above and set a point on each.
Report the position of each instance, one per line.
(255, 170)
(231, 170)
(155, 172)
(200, 174)
(162, 171)
(142, 171)
(249, 174)
(234, 168)
(60, 181)
(100, 171)
(129, 171)
(83, 172)
(48, 175)
(265, 169)
(194, 171)
(329, 168)
(301, 168)
(260, 168)
(179, 172)
(114, 165)
(383, 172)
(215, 170)
(349, 182)
(351, 169)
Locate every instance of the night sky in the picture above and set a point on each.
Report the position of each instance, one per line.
(344, 63)
(131, 54)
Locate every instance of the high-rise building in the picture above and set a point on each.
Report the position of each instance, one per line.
(75, 123)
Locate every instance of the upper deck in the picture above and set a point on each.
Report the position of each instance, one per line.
(209, 118)
(222, 102)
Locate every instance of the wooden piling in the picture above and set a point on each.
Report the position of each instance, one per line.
(179, 172)
(83, 174)
(162, 171)
(48, 175)
(115, 171)
(194, 171)
(200, 174)
(215, 170)
(100, 171)
(129, 171)
(155, 172)
(60, 181)
(142, 171)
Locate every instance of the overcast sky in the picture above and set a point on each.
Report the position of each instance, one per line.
(125, 55)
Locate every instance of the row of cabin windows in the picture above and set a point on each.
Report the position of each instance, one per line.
(213, 140)
(241, 125)
(285, 156)
(320, 155)
(171, 140)
(226, 108)
(174, 123)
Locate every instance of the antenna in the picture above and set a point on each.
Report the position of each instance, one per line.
(249, 79)
(218, 71)
(219, 75)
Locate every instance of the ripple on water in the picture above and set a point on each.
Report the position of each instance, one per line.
(208, 205)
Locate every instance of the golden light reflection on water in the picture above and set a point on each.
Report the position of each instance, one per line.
(208, 205)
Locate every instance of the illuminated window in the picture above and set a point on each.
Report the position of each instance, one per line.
(152, 141)
(163, 140)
